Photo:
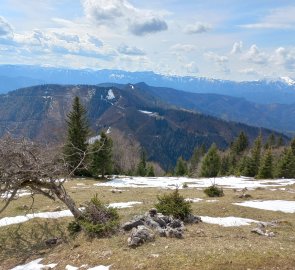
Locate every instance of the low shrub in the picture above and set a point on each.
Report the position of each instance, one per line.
(98, 220)
(184, 185)
(214, 191)
(174, 204)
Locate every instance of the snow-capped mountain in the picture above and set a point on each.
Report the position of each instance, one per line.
(281, 90)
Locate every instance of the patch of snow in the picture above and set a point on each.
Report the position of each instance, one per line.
(272, 205)
(70, 267)
(92, 140)
(110, 95)
(194, 200)
(100, 267)
(211, 201)
(173, 182)
(109, 130)
(228, 221)
(20, 219)
(54, 215)
(154, 114)
(123, 204)
(116, 76)
(20, 193)
(34, 265)
(132, 87)
(288, 80)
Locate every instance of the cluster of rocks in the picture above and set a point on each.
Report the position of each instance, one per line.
(261, 229)
(144, 227)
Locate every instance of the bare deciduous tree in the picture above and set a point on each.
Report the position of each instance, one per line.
(26, 165)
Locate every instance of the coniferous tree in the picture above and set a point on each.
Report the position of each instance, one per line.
(211, 163)
(293, 146)
(181, 167)
(141, 167)
(271, 141)
(266, 166)
(102, 154)
(195, 159)
(241, 143)
(224, 166)
(76, 144)
(280, 141)
(286, 165)
(150, 171)
(255, 156)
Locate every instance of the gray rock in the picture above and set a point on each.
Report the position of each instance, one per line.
(150, 222)
(140, 235)
(176, 223)
(160, 221)
(137, 221)
(175, 233)
(53, 241)
(192, 219)
(153, 212)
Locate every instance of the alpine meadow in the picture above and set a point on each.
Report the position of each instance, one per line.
(147, 135)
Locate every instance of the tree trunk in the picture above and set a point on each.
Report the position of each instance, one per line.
(68, 201)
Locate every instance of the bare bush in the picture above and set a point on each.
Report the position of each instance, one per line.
(27, 165)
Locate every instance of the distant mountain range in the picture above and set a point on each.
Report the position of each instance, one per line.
(262, 92)
(163, 129)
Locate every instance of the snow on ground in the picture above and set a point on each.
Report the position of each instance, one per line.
(173, 182)
(228, 221)
(20, 193)
(149, 113)
(123, 204)
(272, 205)
(110, 95)
(20, 219)
(58, 214)
(36, 265)
(193, 200)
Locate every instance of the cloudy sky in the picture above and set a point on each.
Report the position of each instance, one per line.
(226, 39)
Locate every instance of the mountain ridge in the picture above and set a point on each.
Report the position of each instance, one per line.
(263, 91)
(40, 112)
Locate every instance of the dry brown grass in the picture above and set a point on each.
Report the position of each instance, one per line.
(205, 246)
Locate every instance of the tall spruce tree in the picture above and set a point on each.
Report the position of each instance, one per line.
(102, 153)
(286, 165)
(141, 167)
(241, 143)
(76, 144)
(198, 153)
(266, 166)
(211, 162)
(181, 167)
(256, 156)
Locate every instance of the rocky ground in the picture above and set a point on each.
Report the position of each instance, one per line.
(251, 227)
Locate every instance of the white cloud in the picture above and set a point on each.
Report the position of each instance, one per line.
(249, 71)
(6, 31)
(122, 13)
(153, 25)
(124, 49)
(279, 18)
(38, 41)
(219, 59)
(183, 47)
(254, 55)
(191, 68)
(104, 10)
(197, 28)
(237, 48)
(285, 58)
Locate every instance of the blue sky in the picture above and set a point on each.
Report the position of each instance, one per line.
(227, 39)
